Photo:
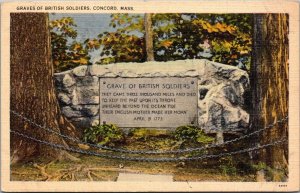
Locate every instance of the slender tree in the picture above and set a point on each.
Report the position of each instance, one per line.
(149, 37)
(32, 89)
(269, 79)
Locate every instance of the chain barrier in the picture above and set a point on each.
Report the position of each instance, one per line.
(188, 150)
(144, 159)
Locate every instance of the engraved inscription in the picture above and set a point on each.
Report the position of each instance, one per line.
(148, 102)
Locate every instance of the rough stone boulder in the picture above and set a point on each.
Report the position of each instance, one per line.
(221, 90)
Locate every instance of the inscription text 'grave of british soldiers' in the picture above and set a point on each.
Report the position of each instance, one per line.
(148, 102)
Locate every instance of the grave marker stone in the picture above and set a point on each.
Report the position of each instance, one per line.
(148, 102)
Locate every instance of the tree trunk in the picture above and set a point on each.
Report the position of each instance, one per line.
(149, 37)
(269, 81)
(32, 89)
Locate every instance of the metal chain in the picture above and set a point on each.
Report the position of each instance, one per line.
(148, 152)
(144, 159)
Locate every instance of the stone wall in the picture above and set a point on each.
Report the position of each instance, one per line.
(220, 98)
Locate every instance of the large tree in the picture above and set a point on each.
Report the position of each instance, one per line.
(269, 79)
(32, 89)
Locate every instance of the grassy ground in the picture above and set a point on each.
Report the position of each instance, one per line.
(92, 168)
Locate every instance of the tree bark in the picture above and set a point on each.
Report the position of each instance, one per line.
(32, 89)
(149, 37)
(269, 81)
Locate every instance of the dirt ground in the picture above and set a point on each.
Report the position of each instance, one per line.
(91, 168)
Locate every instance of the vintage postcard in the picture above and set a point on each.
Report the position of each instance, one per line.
(149, 96)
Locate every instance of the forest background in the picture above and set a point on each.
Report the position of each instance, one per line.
(81, 39)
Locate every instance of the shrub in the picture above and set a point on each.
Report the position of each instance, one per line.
(228, 170)
(107, 134)
(192, 134)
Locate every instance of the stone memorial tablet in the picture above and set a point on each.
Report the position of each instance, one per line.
(148, 102)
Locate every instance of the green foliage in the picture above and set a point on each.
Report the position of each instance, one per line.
(123, 45)
(224, 38)
(227, 38)
(151, 139)
(107, 134)
(64, 55)
(260, 166)
(272, 174)
(144, 133)
(228, 166)
(228, 170)
(118, 47)
(192, 134)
